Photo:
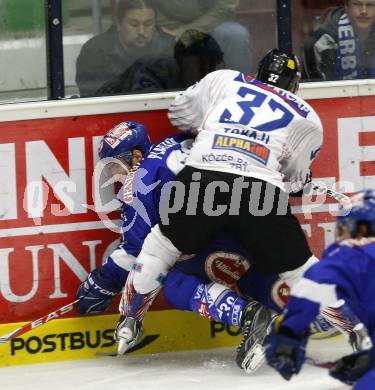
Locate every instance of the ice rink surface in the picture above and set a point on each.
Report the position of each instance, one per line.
(201, 370)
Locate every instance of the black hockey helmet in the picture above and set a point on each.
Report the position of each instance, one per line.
(280, 69)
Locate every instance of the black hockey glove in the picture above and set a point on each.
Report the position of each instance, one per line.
(350, 368)
(285, 352)
(96, 293)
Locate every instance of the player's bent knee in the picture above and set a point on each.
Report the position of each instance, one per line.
(158, 245)
(157, 256)
(150, 273)
(292, 277)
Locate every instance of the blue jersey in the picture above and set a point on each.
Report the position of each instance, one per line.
(141, 192)
(224, 260)
(346, 271)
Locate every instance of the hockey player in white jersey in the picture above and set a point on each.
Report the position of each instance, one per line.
(254, 145)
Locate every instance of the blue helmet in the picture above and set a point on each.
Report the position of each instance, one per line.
(361, 209)
(122, 139)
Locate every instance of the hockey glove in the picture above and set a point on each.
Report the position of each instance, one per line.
(285, 352)
(305, 186)
(350, 368)
(96, 293)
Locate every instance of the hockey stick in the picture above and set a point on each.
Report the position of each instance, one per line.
(312, 362)
(341, 198)
(39, 322)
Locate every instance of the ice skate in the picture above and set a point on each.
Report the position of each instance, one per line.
(127, 334)
(359, 338)
(256, 321)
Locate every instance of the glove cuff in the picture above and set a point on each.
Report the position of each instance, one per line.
(93, 280)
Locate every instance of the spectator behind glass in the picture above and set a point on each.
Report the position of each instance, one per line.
(195, 55)
(213, 17)
(108, 55)
(343, 47)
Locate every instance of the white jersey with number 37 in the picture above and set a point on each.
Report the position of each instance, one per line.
(249, 128)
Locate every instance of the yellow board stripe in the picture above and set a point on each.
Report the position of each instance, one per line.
(83, 337)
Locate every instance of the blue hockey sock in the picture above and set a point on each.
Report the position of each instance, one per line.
(218, 302)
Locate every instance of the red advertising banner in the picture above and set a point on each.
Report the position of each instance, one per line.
(345, 163)
(50, 236)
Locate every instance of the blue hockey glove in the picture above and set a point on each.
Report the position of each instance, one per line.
(285, 352)
(350, 368)
(96, 293)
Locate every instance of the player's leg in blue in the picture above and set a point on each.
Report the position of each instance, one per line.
(211, 300)
(218, 302)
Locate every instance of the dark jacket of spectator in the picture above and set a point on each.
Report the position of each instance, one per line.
(146, 75)
(103, 59)
(195, 55)
(334, 52)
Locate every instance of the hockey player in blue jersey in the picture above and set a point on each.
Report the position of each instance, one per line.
(345, 274)
(145, 169)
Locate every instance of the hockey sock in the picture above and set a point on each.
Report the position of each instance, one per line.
(134, 304)
(217, 302)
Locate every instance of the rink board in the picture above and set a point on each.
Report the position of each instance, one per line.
(87, 337)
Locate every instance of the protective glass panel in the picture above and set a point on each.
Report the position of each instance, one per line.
(137, 46)
(260, 18)
(335, 39)
(22, 51)
(85, 19)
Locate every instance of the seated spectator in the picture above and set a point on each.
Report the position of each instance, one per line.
(106, 56)
(195, 55)
(213, 17)
(343, 47)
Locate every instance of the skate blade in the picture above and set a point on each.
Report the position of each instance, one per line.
(125, 345)
(106, 354)
(254, 359)
(139, 345)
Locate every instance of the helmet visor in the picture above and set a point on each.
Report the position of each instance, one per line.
(116, 168)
